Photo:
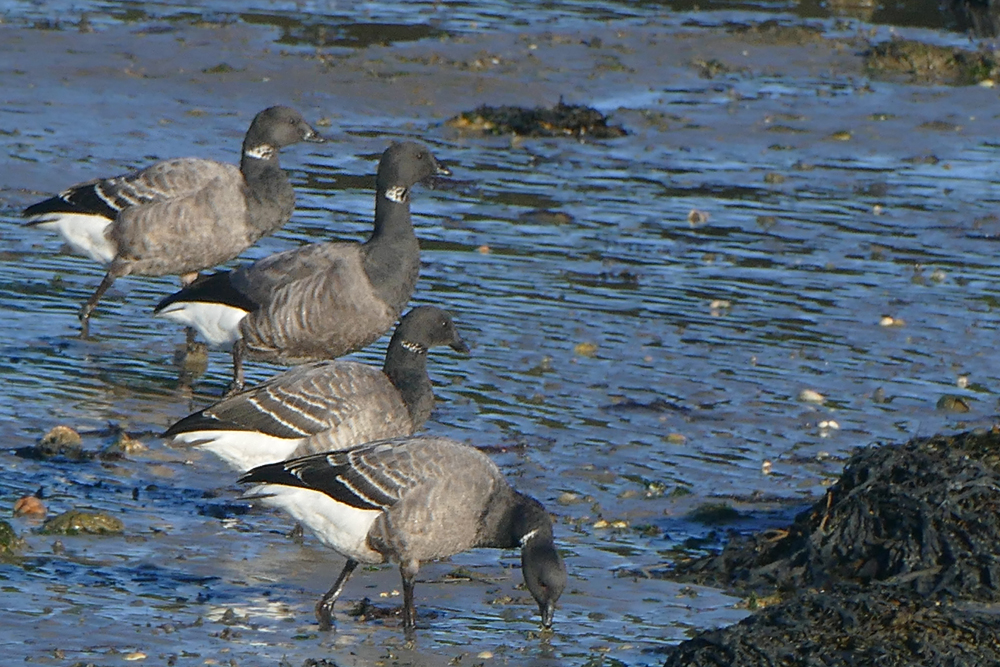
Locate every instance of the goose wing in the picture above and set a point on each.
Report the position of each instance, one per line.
(373, 476)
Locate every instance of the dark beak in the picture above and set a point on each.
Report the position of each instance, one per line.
(314, 137)
(548, 611)
(459, 345)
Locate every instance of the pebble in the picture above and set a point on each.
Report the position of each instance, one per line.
(75, 522)
(29, 506)
(811, 396)
(62, 436)
(696, 217)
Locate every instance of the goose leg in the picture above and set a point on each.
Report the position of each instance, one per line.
(324, 608)
(237, 383)
(408, 570)
(91, 303)
(187, 279)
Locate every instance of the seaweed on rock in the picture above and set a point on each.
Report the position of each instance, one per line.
(574, 120)
(924, 516)
(850, 625)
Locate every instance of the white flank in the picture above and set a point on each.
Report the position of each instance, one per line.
(241, 450)
(83, 233)
(218, 324)
(341, 527)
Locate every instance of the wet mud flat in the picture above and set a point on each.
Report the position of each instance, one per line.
(647, 311)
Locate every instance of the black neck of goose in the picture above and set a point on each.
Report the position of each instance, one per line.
(270, 197)
(406, 367)
(516, 521)
(392, 254)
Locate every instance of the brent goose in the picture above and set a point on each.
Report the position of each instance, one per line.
(409, 500)
(322, 300)
(326, 405)
(179, 216)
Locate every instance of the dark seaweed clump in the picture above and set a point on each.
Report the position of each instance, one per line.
(574, 120)
(924, 515)
(777, 33)
(928, 63)
(850, 625)
(888, 568)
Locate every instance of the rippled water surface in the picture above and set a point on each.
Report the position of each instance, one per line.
(645, 312)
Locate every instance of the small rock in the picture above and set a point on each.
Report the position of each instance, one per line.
(811, 396)
(61, 441)
(696, 217)
(714, 513)
(75, 522)
(9, 542)
(568, 498)
(122, 447)
(62, 436)
(951, 403)
(29, 506)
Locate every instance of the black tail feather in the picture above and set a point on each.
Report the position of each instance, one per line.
(212, 288)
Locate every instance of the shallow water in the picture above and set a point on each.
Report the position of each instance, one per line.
(629, 364)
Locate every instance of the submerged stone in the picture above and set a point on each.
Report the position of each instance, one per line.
(124, 446)
(60, 442)
(75, 522)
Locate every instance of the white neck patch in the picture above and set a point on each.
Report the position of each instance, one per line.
(261, 152)
(527, 536)
(412, 347)
(397, 193)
